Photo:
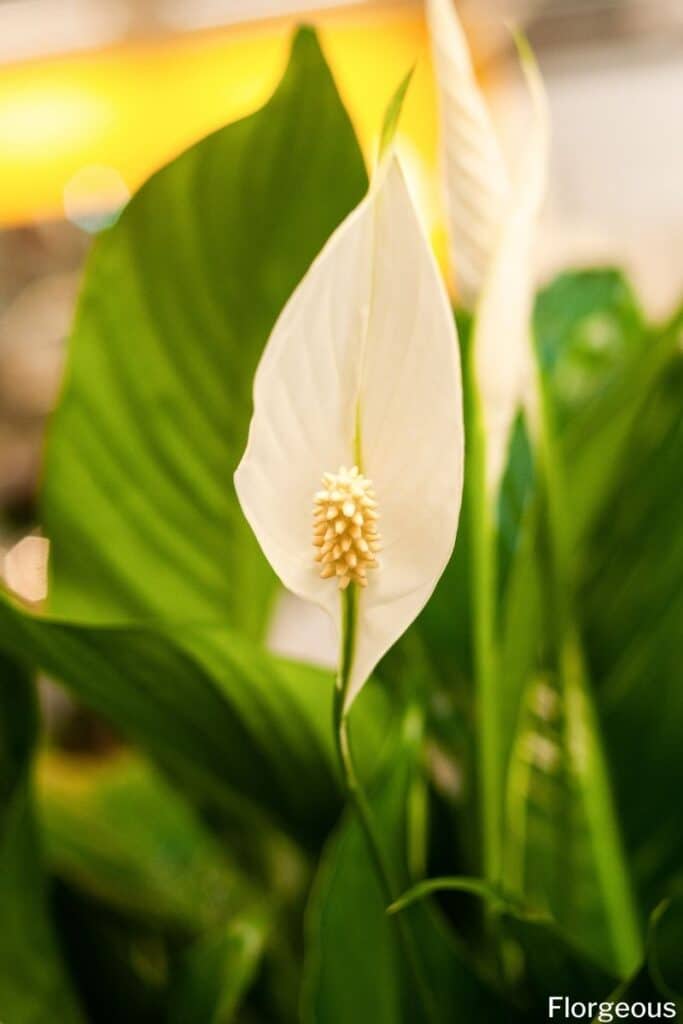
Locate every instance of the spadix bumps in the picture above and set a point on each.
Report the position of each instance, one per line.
(345, 530)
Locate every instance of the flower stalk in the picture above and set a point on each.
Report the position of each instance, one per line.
(358, 800)
(481, 511)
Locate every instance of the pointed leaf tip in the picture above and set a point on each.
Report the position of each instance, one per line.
(305, 36)
(393, 113)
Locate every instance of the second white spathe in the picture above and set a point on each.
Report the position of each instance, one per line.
(492, 225)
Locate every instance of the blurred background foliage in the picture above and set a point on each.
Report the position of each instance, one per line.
(173, 845)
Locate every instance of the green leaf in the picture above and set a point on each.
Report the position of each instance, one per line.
(563, 845)
(393, 114)
(586, 323)
(33, 987)
(222, 718)
(217, 971)
(178, 300)
(116, 831)
(601, 363)
(354, 968)
(596, 440)
(541, 959)
(562, 768)
(633, 607)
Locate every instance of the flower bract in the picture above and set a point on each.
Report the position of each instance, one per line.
(358, 411)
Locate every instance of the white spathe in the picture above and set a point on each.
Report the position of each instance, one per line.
(477, 181)
(363, 362)
(492, 225)
(504, 360)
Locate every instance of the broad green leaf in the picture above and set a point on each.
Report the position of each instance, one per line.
(559, 770)
(587, 324)
(178, 299)
(149, 877)
(558, 732)
(572, 315)
(632, 600)
(33, 986)
(351, 966)
(601, 362)
(225, 720)
(216, 972)
(354, 968)
(563, 845)
(595, 442)
(115, 830)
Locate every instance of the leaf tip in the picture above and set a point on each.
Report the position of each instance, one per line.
(305, 46)
(393, 113)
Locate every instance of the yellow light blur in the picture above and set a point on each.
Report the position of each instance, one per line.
(132, 107)
(129, 109)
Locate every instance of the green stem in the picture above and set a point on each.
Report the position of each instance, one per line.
(358, 799)
(483, 583)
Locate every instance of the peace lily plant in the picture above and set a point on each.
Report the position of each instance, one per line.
(529, 716)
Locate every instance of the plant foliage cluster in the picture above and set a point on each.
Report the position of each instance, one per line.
(205, 872)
